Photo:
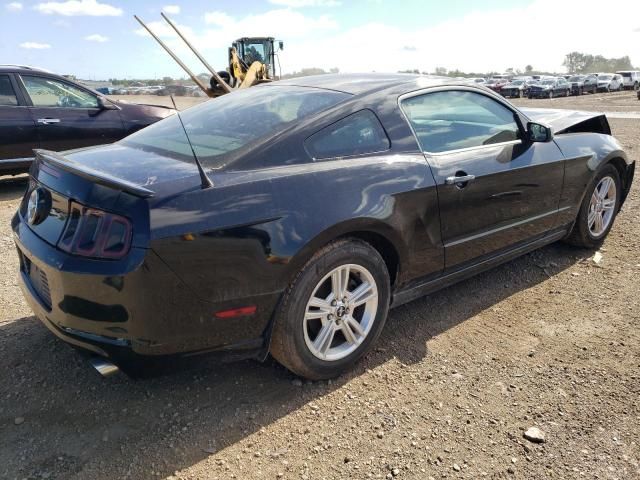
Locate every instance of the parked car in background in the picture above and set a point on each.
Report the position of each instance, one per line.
(317, 204)
(176, 90)
(496, 84)
(104, 90)
(477, 80)
(552, 87)
(39, 109)
(609, 82)
(590, 84)
(515, 89)
(150, 90)
(577, 84)
(630, 79)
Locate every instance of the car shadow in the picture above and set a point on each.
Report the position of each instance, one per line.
(76, 421)
(13, 187)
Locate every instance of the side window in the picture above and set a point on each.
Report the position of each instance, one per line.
(357, 134)
(453, 120)
(7, 95)
(46, 92)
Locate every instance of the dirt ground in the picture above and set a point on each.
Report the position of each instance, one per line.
(550, 340)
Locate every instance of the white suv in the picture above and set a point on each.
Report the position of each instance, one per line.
(630, 79)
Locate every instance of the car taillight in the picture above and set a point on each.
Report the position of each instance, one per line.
(93, 233)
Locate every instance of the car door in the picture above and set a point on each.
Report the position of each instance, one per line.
(496, 190)
(557, 88)
(18, 135)
(68, 116)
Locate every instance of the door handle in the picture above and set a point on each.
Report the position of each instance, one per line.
(48, 121)
(459, 179)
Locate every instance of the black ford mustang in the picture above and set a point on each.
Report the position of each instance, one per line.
(321, 202)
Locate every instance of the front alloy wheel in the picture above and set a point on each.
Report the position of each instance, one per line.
(602, 206)
(333, 311)
(598, 209)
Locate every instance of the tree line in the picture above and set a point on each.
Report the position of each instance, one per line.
(574, 62)
(578, 62)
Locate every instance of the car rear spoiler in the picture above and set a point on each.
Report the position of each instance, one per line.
(95, 176)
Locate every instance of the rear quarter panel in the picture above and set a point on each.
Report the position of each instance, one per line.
(250, 234)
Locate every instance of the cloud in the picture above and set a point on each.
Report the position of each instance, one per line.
(219, 19)
(162, 29)
(72, 8)
(285, 23)
(35, 45)
(171, 9)
(466, 42)
(306, 3)
(96, 37)
(13, 6)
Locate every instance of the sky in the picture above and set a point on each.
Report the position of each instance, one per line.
(99, 39)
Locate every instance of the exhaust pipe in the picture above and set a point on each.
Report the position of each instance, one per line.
(103, 366)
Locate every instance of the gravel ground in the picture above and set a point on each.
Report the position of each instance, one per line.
(549, 341)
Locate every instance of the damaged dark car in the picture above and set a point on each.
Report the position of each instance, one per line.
(286, 219)
(41, 110)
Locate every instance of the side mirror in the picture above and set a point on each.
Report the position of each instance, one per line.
(281, 45)
(539, 133)
(104, 104)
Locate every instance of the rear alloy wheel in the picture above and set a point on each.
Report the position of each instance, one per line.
(333, 311)
(598, 210)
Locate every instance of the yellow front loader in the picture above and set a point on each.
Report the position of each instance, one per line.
(251, 61)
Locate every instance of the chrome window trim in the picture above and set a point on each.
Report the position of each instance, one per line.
(471, 149)
(480, 91)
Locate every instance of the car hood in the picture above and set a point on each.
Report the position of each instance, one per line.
(562, 120)
(141, 109)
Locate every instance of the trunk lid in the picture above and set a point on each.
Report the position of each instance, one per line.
(112, 178)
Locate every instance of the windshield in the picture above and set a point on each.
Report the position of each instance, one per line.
(604, 77)
(576, 79)
(548, 82)
(626, 74)
(517, 82)
(226, 124)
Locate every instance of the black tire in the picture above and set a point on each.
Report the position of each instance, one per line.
(288, 345)
(581, 235)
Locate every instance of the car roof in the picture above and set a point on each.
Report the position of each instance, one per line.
(361, 83)
(21, 68)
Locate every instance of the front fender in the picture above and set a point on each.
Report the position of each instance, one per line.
(585, 154)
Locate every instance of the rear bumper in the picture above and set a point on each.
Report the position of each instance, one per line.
(146, 311)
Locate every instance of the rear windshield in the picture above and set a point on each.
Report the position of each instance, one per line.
(220, 127)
